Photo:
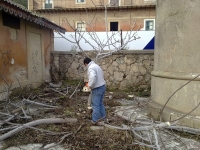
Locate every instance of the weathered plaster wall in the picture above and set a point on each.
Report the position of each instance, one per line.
(18, 61)
(48, 39)
(13, 53)
(130, 69)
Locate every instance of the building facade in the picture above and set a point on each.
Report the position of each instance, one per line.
(98, 15)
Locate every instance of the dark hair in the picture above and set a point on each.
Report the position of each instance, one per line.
(87, 60)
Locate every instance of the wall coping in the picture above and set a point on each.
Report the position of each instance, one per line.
(115, 53)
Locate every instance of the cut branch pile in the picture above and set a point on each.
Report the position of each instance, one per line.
(21, 108)
(146, 131)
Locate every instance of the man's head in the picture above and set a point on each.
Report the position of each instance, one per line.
(86, 61)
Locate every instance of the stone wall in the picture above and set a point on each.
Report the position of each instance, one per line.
(124, 70)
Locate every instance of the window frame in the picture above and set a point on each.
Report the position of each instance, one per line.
(84, 25)
(114, 22)
(145, 24)
(115, 6)
(84, 1)
(48, 2)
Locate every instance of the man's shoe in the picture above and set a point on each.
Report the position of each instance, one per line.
(93, 123)
(101, 123)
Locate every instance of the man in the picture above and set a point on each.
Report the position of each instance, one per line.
(97, 84)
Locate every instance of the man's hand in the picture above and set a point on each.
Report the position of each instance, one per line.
(89, 88)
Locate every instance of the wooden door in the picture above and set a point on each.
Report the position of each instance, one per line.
(35, 57)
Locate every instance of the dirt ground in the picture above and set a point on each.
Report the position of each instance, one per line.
(71, 102)
(81, 134)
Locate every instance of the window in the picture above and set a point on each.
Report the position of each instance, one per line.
(48, 4)
(10, 21)
(113, 26)
(80, 1)
(149, 24)
(81, 26)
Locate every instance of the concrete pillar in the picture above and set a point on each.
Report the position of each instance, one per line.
(177, 61)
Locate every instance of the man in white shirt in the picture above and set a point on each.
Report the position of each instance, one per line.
(97, 84)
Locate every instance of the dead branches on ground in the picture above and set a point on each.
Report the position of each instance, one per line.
(21, 107)
(145, 130)
(37, 122)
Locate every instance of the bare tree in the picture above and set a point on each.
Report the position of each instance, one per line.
(112, 43)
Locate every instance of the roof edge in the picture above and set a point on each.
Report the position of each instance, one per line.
(95, 8)
(21, 12)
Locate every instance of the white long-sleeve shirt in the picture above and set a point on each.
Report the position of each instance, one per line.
(95, 75)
